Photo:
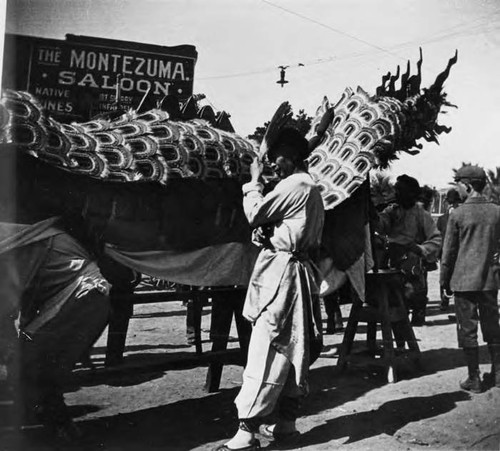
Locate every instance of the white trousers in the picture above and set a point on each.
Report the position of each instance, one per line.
(267, 376)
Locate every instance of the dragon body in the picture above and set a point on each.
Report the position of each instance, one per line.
(361, 132)
(358, 133)
(133, 147)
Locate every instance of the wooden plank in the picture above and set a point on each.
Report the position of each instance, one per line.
(151, 297)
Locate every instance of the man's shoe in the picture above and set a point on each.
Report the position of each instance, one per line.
(472, 384)
(254, 446)
(279, 437)
(489, 380)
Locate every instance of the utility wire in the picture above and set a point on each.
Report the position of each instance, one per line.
(237, 75)
(469, 28)
(335, 30)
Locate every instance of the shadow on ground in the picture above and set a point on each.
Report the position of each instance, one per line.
(431, 361)
(387, 419)
(181, 425)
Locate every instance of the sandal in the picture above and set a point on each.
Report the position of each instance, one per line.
(252, 447)
(282, 437)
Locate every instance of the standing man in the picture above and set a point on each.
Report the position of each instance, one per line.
(452, 201)
(282, 300)
(469, 266)
(412, 236)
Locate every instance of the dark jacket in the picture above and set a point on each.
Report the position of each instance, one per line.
(442, 223)
(412, 225)
(471, 241)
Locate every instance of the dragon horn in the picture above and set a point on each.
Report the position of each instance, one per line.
(419, 62)
(381, 89)
(392, 83)
(441, 78)
(402, 93)
(419, 70)
(415, 80)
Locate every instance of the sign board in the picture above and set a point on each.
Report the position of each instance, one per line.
(80, 77)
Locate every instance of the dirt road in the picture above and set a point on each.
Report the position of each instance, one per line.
(357, 410)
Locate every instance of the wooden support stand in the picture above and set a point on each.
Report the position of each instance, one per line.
(385, 308)
(224, 307)
(226, 304)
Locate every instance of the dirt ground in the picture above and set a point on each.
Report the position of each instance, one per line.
(355, 410)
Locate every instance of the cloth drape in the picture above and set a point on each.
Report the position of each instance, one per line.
(217, 265)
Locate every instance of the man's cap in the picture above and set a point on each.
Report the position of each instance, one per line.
(291, 138)
(471, 172)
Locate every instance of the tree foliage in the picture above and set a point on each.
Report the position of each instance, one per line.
(381, 190)
(492, 190)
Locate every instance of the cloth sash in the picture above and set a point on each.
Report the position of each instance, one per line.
(283, 293)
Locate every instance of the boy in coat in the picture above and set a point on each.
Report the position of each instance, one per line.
(469, 266)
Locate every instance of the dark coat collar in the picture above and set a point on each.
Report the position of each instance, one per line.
(476, 200)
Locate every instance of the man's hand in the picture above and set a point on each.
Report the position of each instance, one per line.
(447, 290)
(262, 235)
(256, 169)
(415, 248)
(258, 235)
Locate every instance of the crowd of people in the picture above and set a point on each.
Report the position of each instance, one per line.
(283, 297)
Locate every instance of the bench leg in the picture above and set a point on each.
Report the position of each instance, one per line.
(349, 334)
(371, 337)
(193, 322)
(222, 315)
(387, 337)
(121, 312)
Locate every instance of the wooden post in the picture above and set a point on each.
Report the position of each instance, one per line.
(121, 312)
(224, 306)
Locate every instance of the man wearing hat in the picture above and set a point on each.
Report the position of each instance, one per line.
(469, 266)
(412, 237)
(282, 300)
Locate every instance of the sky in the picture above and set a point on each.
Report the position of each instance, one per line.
(328, 45)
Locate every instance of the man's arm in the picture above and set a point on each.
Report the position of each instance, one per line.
(271, 208)
(383, 220)
(433, 240)
(450, 252)
(259, 209)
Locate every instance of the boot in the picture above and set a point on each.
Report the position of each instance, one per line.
(493, 379)
(418, 318)
(333, 314)
(473, 382)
